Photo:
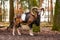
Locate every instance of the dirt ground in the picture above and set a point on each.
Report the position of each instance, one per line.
(45, 34)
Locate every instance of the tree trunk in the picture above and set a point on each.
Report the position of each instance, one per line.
(11, 11)
(56, 19)
(41, 1)
(1, 11)
(51, 18)
(29, 4)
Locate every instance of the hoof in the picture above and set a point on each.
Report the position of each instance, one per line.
(31, 34)
(19, 34)
(13, 34)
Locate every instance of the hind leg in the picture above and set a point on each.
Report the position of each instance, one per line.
(13, 32)
(18, 29)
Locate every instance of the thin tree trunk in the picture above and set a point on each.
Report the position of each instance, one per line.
(1, 11)
(11, 11)
(48, 11)
(51, 18)
(41, 1)
(29, 5)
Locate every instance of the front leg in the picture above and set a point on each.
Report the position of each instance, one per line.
(18, 31)
(31, 31)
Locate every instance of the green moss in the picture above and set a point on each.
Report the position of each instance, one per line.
(36, 28)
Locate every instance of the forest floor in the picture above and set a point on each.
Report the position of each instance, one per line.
(45, 34)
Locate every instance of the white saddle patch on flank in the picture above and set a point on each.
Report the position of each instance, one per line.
(23, 16)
